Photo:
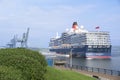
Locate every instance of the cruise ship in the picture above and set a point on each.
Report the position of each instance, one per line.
(82, 43)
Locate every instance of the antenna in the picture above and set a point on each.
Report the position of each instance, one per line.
(57, 35)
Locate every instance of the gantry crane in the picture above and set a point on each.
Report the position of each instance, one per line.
(22, 41)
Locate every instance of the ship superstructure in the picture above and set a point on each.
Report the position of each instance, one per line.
(94, 44)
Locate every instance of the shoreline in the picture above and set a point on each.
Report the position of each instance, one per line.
(91, 74)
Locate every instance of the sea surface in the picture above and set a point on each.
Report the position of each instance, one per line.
(113, 63)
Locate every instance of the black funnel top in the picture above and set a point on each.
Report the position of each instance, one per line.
(75, 23)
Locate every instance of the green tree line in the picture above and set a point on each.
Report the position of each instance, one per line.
(22, 64)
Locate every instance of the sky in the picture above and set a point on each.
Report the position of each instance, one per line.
(46, 17)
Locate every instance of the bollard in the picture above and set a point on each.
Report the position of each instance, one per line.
(98, 70)
(118, 73)
(104, 71)
(111, 72)
(92, 69)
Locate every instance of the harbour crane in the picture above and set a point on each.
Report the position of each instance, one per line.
(12, 43)
(23, 41)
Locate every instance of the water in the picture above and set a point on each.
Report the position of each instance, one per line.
(113, 63)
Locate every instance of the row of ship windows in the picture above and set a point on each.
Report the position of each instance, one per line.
(98, 38)
(88, 36)
(98, 50)
(85, 38)
(76, 40)
(98, 35)
(98, 46)
(97, 43)
(82, 43)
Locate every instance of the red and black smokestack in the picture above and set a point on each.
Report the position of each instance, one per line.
(75, 25)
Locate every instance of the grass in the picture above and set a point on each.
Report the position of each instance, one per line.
(55, 74)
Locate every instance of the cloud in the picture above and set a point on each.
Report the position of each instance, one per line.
(48, 16)
(34, 15)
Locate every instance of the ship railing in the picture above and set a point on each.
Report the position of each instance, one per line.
(94, 69)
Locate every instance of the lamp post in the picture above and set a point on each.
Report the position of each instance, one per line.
(71, 59)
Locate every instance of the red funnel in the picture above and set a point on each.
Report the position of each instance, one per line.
(75, 25)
